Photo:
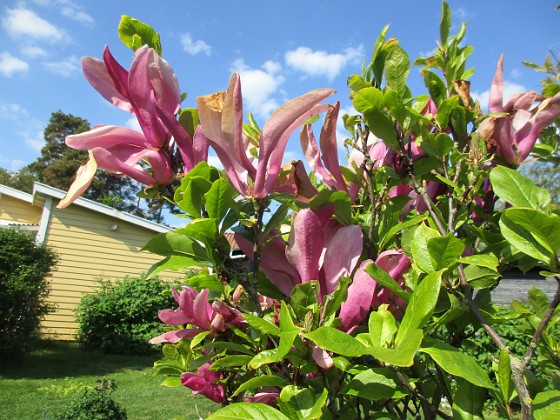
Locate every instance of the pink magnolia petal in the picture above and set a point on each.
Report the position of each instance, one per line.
(522, 101)
(305, 245)
(360, 297)
(322, 358)
(164, 82)
(313, 157)
(98, 76)
(84, 176)
(329, 147)
(174, 336)
(173, 318)
(343, 251)
(182, 139)
(200, 146)
(202, 310)
(106, 137)
(267, 398)
(117, 72)
(394, 262)
(495, 103)
(237, 174)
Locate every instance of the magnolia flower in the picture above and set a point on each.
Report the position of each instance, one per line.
(221, 117)
(195, 310)
(513, 136)
(149, 91)
(204, 382)
(319, 248)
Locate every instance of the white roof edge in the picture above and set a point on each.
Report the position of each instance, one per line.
(12, 192)
(47, 190)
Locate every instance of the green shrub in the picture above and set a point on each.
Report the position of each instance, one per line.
(121, 316)
(94, 404)
(24, 288)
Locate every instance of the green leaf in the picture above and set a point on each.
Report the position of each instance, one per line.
(384, 279)
(301, 403)
(403, 354)
(482, 260)
(304, 297)
(190, 195)
(373, 384)
(532, 232)
(481, 277)
(342, 207)
(204, 230)
(259, 382)
(517, 189)
(334, 300)
(445, 110)
(247, 411)
(277, 218)
(414, 221)
(288, 331)
(189, 120)
(231, 361)
(337, 341)
(172, 262)
(367, 99)
(397, 67)
(356, 82)
(445, 250)
(437, 146)
(468, 401)
(172, 381)
(378, 56)
(419, 247)
(205, 281)
(262, 325)
(421, 305)
(546, 405)
(381, 125)
(457, 363)
(219, 199)
(382, 327)
(504, 375)
(538, 301)
(444, 23)
(436, 87)
(171, 243)
(395, 105)
(134, 34)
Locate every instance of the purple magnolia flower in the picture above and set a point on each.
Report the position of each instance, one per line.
(149, 91)
(513, 136)
(221, 117)
(195, 310)
(204, 382)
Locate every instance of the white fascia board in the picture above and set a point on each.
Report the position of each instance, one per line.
(45, 220)
(46, 190)
(12, 192)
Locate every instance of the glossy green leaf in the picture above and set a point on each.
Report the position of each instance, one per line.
(504, 375)
(337, 341)
(302, 404)
(288, 331)
(334, 300)
(171, 243)
(444, 23)
(189, 120)
(532, 232)
(382, 327)
(342, 207)
(481, 277)
(378, 56)
(399, 227)
(231, 361)
(458, 364)
(383, 278)
(395, 105)
(190, 199)
(247, 411)
(437, 146)
(419, 247)
(219, 199)
(134, 34)
(205, 280)
(538, 301)
(204, 230)
(373, 384)
(367, 99)
(546, 405)
(421, 305)
(172, 381)
(262, 325)
(173, 263)
(355, 82)
(468, 401)
(445, 109)
(304, 297)
(403, 354)
(436, 87)
(277, 218)
(517, 189)
(481, 260)
(444, 251)
(397, 67)
(259, 382)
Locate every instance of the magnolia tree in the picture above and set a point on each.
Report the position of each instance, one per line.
(366, 278)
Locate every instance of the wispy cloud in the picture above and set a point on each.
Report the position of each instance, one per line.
(65, 68)
(510, 88)
(12, 111)
(259, 86)
(33, 51)
(22, 22)
(195, 47)
(322, 63)
(71, 11)
(10, 64)
(133, 123)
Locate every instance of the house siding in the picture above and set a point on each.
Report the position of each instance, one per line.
(89, 250)
(15, 210)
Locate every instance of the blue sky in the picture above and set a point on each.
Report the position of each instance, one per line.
(282, 49)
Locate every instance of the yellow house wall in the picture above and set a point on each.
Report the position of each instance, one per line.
(88, 250)
(16, 210)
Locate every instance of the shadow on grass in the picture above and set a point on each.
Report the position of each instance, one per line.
(61, 359)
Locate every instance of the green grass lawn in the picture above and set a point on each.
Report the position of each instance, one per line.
(35, 388)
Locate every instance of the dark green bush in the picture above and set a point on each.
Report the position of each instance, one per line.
(121, 316)
(24, 288)
(94, 404)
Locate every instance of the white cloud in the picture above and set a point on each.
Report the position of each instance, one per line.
(194, 47)
(11, 164)
(10, 64)
(321, 63)
(32, 51)
(133, 123)
(11, 111)
(510, 88)
(65, 68)
(25, 22)
(259, 86)
(462, 14)
(70, 11)
(34, 140)
(214, 161)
